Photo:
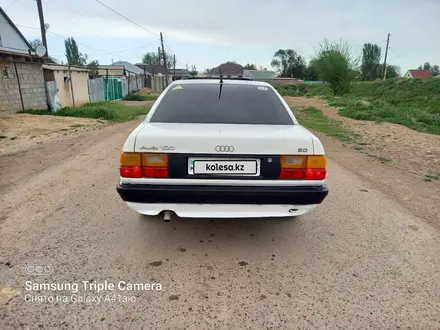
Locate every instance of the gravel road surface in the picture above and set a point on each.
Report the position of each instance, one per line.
(358, 261)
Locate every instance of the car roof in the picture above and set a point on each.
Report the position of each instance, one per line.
(216, 81)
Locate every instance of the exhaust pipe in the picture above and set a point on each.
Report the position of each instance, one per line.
(167, 216)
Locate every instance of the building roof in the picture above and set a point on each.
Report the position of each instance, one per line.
(16, 29)
(420, 73)
(229, 69)
(129, 67)
(59, 67)
(156, 69)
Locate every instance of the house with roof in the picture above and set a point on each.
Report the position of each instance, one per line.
(228, 69)
(21, 71)
(131, 69)
(418, 74)
(159, 70)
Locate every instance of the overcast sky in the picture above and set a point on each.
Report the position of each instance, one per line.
(207, 33)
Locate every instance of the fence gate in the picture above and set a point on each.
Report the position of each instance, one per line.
(52, 96)
(112, 89)
(96, 90)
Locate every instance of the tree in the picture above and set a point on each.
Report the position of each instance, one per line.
(152, 58)
(35, 43)
(370, 61)
(336, 65)
(249, 66)
(288, 63)
(435, 70)
(74, 57)
(393, 71)
(193, 71)
(311, 72)
(207, 71)
(93, 67)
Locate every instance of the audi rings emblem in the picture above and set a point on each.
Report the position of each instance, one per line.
(224, 148)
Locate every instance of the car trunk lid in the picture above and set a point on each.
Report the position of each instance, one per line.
(230, 139)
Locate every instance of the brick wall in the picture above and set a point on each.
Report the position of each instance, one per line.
(32, 87)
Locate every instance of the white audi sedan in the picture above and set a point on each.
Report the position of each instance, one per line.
(222, 148)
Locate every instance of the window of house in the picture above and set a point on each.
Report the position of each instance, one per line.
(5, 73)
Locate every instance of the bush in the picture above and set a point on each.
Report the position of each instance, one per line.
(132, 96)
(291, 90)
(336, 65)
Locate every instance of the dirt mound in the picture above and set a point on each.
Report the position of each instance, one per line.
(145, 91)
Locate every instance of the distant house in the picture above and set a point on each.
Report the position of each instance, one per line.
(228, 69)
(131, 69)
(259, 74)
(418, 74)
(158, 70)
(21, 73)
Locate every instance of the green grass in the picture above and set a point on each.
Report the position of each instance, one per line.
(137, 97)
(432, 176)
(414, 103)
(314, 119)
(109, 111)
(293, 90)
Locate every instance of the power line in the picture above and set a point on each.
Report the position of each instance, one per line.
(103, 4)
(81, 15)
(84, 45)
(13, 3)
(72, 20)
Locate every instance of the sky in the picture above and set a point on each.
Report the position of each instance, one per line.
(206, 33)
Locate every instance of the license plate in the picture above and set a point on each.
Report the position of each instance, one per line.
(223, 167)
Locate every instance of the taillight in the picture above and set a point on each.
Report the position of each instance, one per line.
(138, 165)
(155, 172)
(297, 167)
(131, 165)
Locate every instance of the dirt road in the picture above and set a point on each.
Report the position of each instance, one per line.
(360, 260)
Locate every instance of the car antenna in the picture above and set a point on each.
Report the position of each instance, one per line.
(221, 83)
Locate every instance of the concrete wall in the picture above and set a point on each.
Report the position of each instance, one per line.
(32, 87)
(80, 87)
(157, 83)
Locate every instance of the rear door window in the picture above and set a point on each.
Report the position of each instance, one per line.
(237, 104)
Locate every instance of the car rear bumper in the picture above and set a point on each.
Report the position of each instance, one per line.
(222, 210)
(216, 194)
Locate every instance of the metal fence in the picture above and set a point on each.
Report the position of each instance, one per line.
(113, 88)
(96, 90)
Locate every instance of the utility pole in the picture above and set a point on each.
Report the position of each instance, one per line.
(385, 61)
(159, 57)
(164, 59)
(174, 65)
(42, 27)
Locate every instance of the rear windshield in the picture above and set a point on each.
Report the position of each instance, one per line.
(238, 104)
